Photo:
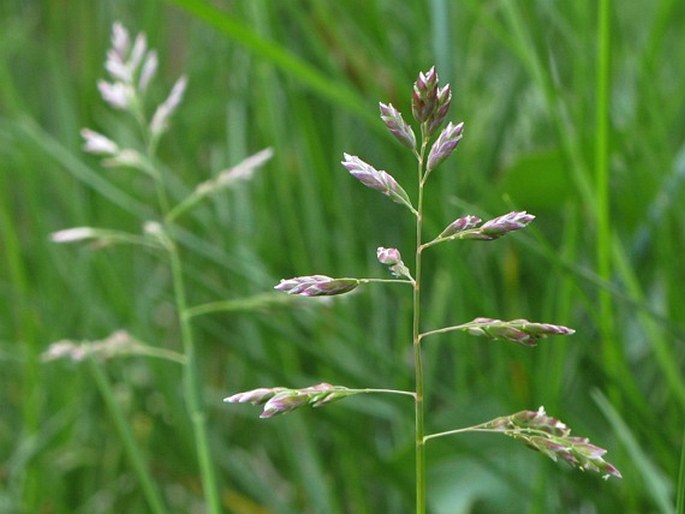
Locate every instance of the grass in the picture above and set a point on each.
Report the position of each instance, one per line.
(304, 77)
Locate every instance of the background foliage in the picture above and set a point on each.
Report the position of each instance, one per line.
(305, 76)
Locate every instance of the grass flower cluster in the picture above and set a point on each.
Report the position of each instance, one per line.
(430, 105)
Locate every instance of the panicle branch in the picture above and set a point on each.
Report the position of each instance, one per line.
(118, 344)
(280, 400)
(519, 331)
(467, 227)
(130, 69)
(102, 237)
(553, 438)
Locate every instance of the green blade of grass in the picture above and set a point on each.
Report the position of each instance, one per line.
(680, 491)
(441, 40)
(663, 352)
(523, 47)
(610, 343)
(133, 451)
(41, 139)
(295, 67)
(656, 484)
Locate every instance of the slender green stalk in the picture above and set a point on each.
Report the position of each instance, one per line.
(442, 330)
(147, 484)
(191, 383)
(476, 428)
(384, 391)
(161, 353)
(484, 429)
(384, 281)
(416, 339)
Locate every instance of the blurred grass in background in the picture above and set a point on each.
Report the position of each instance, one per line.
(305, 77)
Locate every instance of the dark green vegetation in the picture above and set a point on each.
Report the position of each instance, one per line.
(603, 256)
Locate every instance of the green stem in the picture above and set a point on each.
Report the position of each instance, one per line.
(183, 206)
(416, 340)
(384, 391)
(385, 281)
(191, 385)
(458, 431)
(461, 235)
(134, 453)
(444, 330)
(160, 353)
(484, 429)
(191, 382)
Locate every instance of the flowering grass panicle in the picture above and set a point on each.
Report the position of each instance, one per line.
(430, 103)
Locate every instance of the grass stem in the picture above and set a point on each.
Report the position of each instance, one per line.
(133, 451)
(416, 339)
(191, 384)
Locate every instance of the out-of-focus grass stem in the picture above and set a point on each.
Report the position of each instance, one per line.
(191, 382)
(138, 463)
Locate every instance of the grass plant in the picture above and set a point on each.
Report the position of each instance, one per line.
(430, 105)
(131, 66)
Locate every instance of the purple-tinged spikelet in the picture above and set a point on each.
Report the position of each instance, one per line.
(459, 225)
(519, 331)
(397, 126)
(376, 179)
(425, 95)
(388, 256)
(445, 144)
(501, 225)
(317, 285)
(257, 396)
(391, 257)
(443, 101)
(280, 400)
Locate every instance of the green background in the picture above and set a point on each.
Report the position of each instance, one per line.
(304, 77)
